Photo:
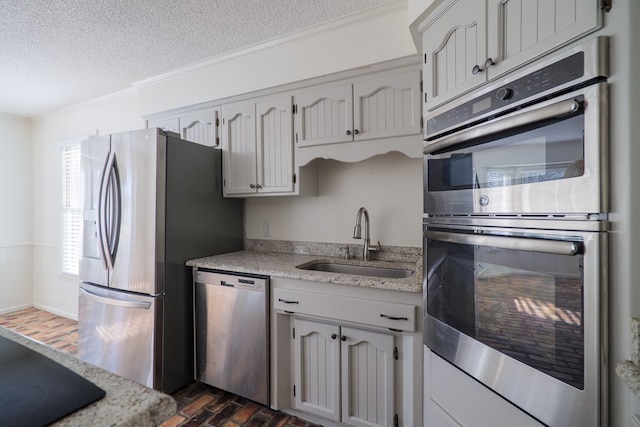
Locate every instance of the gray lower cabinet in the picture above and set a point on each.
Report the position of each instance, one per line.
(343, 373)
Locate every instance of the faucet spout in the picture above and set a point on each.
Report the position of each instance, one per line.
(357, 232)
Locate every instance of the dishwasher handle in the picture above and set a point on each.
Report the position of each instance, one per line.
(249, 283)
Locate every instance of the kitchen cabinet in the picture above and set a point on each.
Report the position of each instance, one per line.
(371, 107)
(348, 354)
(343, 373)
(468, 42)
(257, 144)
(201, 125)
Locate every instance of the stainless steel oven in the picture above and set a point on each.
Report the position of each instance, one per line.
(515, 236)
(533, 143)
(520, 309)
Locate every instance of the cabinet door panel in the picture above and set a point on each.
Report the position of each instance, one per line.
(453, 44)
(275, 145)
(316, 368)
(239, 148)
(387, 106)
(324, 116)
(522, 30)
(166, 123)
(367, 378)
(201, 127)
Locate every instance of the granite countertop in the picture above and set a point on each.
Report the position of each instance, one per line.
(629, 370)
(126, 402)
(284, 265)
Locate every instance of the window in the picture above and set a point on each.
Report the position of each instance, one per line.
(72, 213)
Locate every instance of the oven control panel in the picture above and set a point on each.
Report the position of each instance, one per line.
(515, 92)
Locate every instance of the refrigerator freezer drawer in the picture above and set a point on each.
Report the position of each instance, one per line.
(116, 332)
(232, 329)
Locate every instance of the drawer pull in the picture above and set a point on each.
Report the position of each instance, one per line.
(386, 316)
(288, 301)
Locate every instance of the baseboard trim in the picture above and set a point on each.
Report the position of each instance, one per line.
(56, 311)
(15, 308)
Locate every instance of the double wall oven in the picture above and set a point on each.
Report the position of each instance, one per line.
(515, 236)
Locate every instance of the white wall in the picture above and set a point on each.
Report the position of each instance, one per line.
(53, 291)
(389, 186)
(16, 212)
(381, 184)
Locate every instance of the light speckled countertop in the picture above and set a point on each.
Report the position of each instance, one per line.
(126, 404)
(284, 265)
(629, 370)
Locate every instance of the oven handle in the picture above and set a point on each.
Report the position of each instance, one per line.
(514, 243)
(513, 121)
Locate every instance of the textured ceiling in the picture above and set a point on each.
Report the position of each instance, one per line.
(58, 52)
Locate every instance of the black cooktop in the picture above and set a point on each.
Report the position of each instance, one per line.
(36, 391)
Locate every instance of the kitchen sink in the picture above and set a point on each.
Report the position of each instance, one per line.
(362, 270)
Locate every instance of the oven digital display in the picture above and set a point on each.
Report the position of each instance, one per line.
(481, 105)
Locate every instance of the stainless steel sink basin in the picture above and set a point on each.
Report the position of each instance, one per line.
(362, 270)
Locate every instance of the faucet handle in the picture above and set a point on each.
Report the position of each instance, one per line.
(375, 248)
(346, 252)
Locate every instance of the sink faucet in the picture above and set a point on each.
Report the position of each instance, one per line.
(357, 234)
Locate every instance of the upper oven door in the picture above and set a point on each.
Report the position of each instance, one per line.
(548, 158)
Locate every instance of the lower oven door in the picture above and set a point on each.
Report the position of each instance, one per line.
(520, 311)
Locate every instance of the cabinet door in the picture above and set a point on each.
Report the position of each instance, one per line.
(275, 145)
(201, 126)
(239, 148)
(387, 106)
(317, 368)
(454, 43)
(324, 116)
(368, 379)
(166, 123)
(521, 30)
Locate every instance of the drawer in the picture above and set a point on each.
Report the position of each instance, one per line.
(369, 312)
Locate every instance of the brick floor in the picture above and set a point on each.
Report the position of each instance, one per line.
(199, 405)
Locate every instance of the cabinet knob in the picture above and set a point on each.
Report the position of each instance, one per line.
(334, 336)
(252, 186)
(348, 132)
(476, 69)
(343, 338)
(355, 132)
(489, 62)
(258, 186)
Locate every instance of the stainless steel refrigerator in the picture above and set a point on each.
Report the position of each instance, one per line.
(151, 202)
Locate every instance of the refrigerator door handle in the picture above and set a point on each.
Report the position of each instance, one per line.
(102, 211)
(120, 303)
(109, 211)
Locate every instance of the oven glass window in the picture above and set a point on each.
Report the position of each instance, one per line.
(547, 153)
(527, 305)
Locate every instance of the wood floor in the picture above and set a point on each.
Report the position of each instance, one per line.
(198, 404)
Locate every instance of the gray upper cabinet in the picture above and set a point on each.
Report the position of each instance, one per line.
(370, 107)
(201, 126)
(468, 42)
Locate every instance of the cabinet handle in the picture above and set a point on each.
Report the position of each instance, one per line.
(348, 132)
(252, 186)
(356, 131)
(343, 338)
(288, 301)
(334, 336)
(489, 62)
(386, 316)
(476, 69)
(258, 186)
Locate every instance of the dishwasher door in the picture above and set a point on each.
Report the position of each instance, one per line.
(232, 333)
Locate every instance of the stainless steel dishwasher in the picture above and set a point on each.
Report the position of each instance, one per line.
(232, 333)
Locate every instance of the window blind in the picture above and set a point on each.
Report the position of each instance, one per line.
(72, 215)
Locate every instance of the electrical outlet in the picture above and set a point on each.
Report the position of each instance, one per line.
(266, 229)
